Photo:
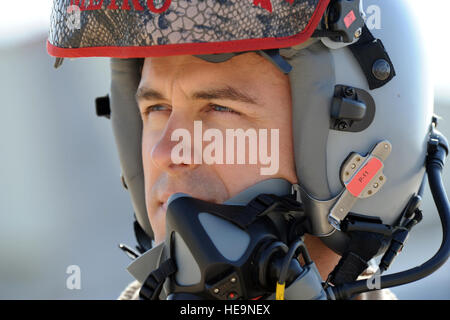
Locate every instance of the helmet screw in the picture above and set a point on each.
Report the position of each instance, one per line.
(381, 69)
(342, 125)
(349, 92)
(233, 280)
(216, 290)
(358, 33)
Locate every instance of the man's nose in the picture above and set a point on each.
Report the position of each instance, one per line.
(174, 151)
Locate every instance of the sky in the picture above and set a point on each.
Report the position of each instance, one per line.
(433, 16)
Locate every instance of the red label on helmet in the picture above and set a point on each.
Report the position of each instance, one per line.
(363, 177)
(349, 19)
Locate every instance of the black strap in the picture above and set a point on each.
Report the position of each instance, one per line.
(144, 241)
(350, 266)
(373, 59)
(363, 246)
(261, 205)
(153, 285)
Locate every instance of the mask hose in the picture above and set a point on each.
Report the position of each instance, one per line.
(279, 293)
(437, 152)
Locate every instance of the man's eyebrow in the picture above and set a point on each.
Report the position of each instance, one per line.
(224, 93)
(144, 93)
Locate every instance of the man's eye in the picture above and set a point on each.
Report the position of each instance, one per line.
(154, 108)
(218, 108)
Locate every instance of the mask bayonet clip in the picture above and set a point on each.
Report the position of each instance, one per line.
(362, 177)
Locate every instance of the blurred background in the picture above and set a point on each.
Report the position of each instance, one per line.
(61, 199)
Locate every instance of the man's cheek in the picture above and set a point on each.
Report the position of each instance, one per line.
(151, 174)
(237, 177)
(150, 139)
(156, 121)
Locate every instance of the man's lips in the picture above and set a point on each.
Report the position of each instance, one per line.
(164, 199)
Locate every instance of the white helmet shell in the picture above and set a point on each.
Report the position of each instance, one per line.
(404, 110)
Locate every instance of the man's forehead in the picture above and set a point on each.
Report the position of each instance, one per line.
(152, 62)
(244, 71)
(250, 55)
(160, 74)
(161, 69)
(249, 61)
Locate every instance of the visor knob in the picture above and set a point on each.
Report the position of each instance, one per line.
(381, 69)
(102, 107)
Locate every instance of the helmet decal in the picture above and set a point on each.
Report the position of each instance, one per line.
(140, 28)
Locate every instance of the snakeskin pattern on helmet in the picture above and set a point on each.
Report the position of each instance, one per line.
(182, 22)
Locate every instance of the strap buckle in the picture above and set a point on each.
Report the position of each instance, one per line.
(153, 285)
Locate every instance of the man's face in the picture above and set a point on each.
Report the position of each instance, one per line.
(245, 92)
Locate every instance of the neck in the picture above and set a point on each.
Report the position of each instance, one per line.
(324, 258)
